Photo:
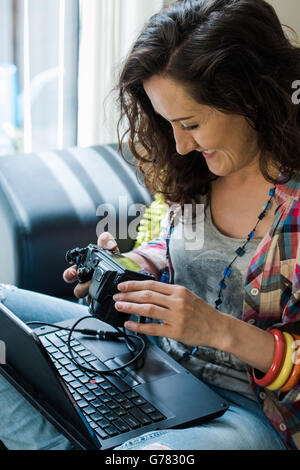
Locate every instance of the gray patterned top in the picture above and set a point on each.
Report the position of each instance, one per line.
(199, 267)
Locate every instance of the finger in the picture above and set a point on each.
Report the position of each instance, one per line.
(151, 329)
(144, 297)
(144, 310)
(156, 286)
(82, 290)
(107, 241)
(70, 274)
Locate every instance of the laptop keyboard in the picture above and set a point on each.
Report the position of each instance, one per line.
(110, 405)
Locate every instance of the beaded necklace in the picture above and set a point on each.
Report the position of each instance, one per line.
(227, 271)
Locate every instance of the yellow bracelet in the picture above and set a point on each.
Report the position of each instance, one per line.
(287, 364)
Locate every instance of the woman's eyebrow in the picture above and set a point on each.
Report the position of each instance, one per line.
(176, 120)
(181, 119)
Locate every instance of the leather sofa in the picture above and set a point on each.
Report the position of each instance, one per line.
(48, 205)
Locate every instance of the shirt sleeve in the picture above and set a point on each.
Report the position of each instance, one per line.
(156, 249)
(291, 324)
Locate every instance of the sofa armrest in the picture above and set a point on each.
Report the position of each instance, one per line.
(48, 204)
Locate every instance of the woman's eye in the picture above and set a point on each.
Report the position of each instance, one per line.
(189, 128)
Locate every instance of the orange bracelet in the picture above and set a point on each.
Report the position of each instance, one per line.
(295, 374)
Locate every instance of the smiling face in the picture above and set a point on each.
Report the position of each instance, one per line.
(227, 140)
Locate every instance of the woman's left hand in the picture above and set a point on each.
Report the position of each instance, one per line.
(185, 316)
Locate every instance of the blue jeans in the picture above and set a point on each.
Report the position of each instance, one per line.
(243, 427)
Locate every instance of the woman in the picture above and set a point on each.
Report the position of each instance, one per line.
(207, 93)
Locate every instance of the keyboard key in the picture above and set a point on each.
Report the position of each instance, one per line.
(127, 405)
(89, 410)
(68, 378)
(92, 358)
(75, 384)
(105, 385)
(105, 398)
(156, 416)
(93, 425)
(76, 396)
(78, 348)
(121, 425)
(84, 379)
(96, 416)
(78, 374)
(148, 409)
(82, 403)
(111, 391)
(55, 340)
(60, 333)
(45, 342)
(120, 411)
(131, 421)
(130, 381)
(131, 394)
(140, 416)
(63, 371)
(111, 416)
(119, 384)
(91, 386)
(71, 367)
(99, 379)
(103, 423)
(64, 337)
(101, 433)
(99, 392)
(52, 349)
(83, 390)
(139, 401)
(111, 430)
(112, 405)
(121, 373)
(96, 403)
(64, 361)
(89, 396)
(103, 410)
(120, 398)
(82, 351)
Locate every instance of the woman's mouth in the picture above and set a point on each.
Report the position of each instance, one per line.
(209, 154)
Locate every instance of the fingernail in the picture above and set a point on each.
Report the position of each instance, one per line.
(130, 325)
(110, 244)
(71, 274)
(122, 286)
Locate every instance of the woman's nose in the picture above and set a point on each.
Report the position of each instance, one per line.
(185, 143)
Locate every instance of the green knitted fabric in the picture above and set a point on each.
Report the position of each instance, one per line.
(149, 227)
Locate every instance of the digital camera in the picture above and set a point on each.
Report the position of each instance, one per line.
(106, 270)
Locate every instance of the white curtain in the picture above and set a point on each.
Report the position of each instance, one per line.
(108, 29)
(288, 12)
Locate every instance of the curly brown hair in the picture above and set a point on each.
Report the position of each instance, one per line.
(231, 55)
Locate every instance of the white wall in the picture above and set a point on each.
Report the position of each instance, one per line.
(288, 12)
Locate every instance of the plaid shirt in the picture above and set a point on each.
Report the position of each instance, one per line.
(272, 295)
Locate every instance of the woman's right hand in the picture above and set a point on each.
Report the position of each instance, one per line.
(105, 240)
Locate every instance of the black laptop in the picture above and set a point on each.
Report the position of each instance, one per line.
(96, 411)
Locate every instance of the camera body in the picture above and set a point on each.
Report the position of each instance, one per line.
(105, 271)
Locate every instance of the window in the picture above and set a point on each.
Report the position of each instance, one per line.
(38, 74)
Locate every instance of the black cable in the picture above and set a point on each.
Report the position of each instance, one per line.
(97, 371)
(100, 334)
(105, 336)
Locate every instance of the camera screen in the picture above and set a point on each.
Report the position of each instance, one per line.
(127, 263)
